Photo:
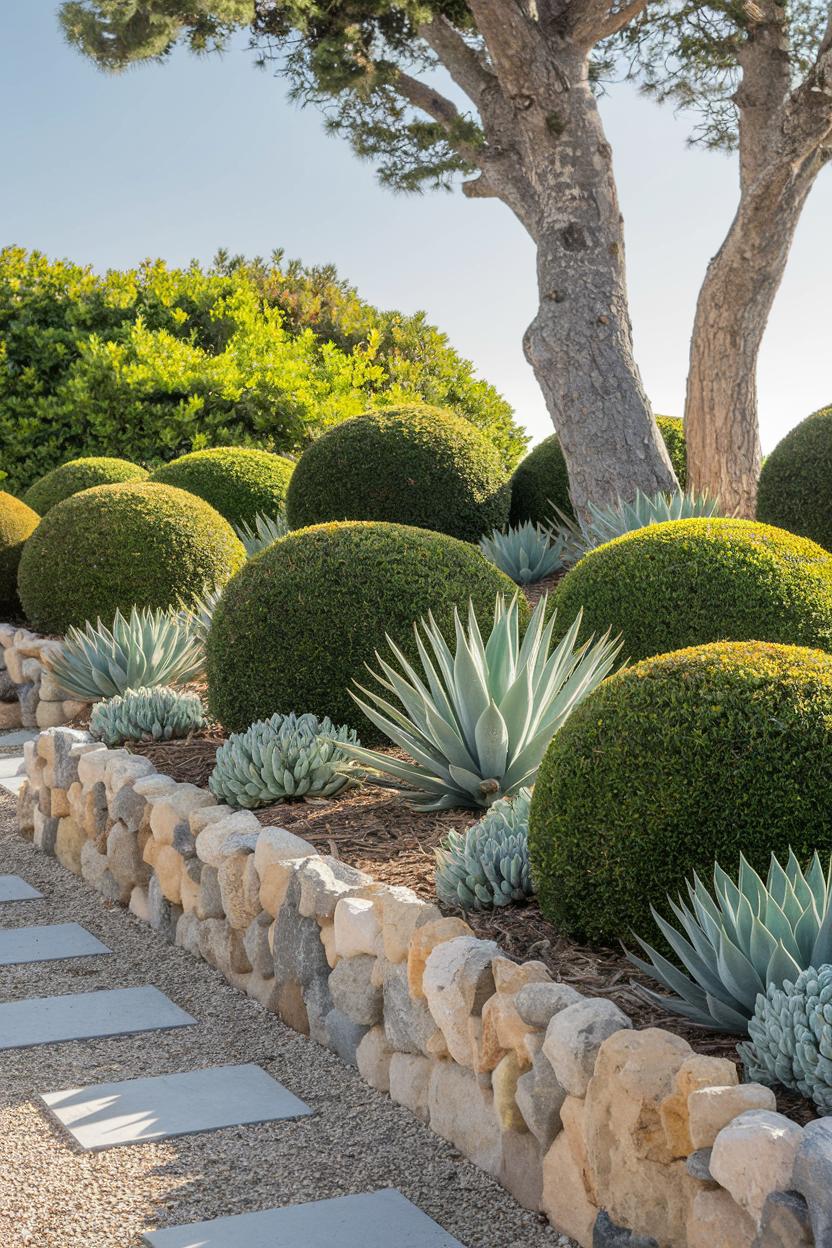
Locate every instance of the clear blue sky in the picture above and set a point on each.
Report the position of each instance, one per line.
(177, 160)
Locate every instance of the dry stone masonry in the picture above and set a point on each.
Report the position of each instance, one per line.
(30, 697)
(618, 1136)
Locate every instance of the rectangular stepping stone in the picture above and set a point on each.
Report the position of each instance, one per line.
(19, 736)
(47, 943)
(136, 1110)
(377, 1220)
(12, 888)
(9, 779)
(83, 1015)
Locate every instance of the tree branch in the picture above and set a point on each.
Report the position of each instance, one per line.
(462, 62)
(620, 18)
(808, 121)
(436, 105)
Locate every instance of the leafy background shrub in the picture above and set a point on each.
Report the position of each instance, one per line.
(239, 482)
(412, 465)
(300, 620)
(155, 362)
(795, 489)
(17, 523)
(79, 474)
(674, 762)
(672, 429)
(687, 582)
(118, 546)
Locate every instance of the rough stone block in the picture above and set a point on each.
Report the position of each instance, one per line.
(463, 1113)
(277, 844)
(457, 981)
(812, 1176)
(353, 991)
(711, 1109)
(575, 1035)
(373, 1058)
(356, 928)
(754, 1155)
(409, 1077)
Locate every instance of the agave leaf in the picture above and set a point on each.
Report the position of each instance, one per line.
(737, 973)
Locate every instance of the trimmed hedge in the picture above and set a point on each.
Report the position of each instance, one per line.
(17, 523)
(116, 546)
(80, 474)
(298, 623)
(795, 489)
(687, 582)
(542, 477)
(238, 482)
(413, 465)
(685, 758)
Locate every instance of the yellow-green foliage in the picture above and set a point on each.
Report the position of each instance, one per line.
(679, 760)
(240, 483)
(17, 523)
(686, 582)
(118, 546)
(298, 623)
(80, 474)
(412, 465)
(796, 480)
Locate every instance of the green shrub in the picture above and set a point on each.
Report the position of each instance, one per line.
(118, 546)
(412, 465)
(80, 474)
(17, 523)
(687, 582)
(542, 478)
(795, 488)
(680, 760)
(298, 623)
(240, 483)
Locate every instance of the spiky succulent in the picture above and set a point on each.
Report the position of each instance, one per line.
(791, 1037)
(160, 714)
(476, 722)
(198, 615)
(283, 757)
(265, 530)
(487, 864)
(605, 523)
(747, 937)
(146, 648)
(528, 552)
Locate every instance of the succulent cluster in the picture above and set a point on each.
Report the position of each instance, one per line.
(528, 552)
(606, 523)
(791, 1036)
(261, 532)
(287, 756)
(160, 714)
(488, 864)
(745, 939)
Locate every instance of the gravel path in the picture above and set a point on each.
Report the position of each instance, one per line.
(54, 1196)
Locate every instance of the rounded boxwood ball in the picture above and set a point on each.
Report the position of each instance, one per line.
(684, 758)
(414, 465)
(240, 483)
(80, 474)
(17, 523)
(795, 489)
(298, 623)
(116, 546)
(687, 582)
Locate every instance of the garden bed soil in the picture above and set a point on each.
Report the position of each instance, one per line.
(369, 829)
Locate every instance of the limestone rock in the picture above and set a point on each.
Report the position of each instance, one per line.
(605, 1234)
(187, 934)
(139, 904)
(698, 1165)
(463, 1113)
(275, 881)
(323, 882)
(711, 1109)
(373, 1058)
(222, 946)
(189, 884)
(168, 866)
(785, 1222)
(408, 1024)
(276, 844)
(574, 1036)
(70, 838)
(239, 889)
(521, 1168)
(538, 1002)
(209, 901)
(716, 1221)
(164, 914)
(344, 1036)
(504, 1084)
(539, 1098)
(699, 1071)
(457, 982)
(236, 833)
(298, 953)
(353, 992)
(402, 912)
(754, 1155)
(356, 927)
(564, 1198)
(812, 1176)
(45, 832)
(256, 944)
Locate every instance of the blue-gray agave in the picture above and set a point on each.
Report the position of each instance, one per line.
(488, 864)
(746, 938)
(282, 757)
(528, 552)
(265, 530)
(476, 722)
(159, 714)
(791, 1037)
(605, 523)
(144, 649)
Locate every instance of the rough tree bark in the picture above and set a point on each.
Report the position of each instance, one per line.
(785, 139)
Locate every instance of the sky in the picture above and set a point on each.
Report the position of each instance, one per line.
(179, 159)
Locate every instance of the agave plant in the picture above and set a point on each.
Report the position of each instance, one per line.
(197, 616)
(160, 714)
(791, 1037)
(146, 648)
(739, 942)
(605, 523)
(528, 552)
(282, 757)
(477, 721)
(488, 864)
(265, 530)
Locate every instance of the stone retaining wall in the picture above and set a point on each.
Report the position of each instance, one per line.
(29, 694)
(595, 1124)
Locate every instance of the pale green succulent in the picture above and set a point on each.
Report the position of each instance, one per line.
(159, 714)
(528, 552)
(476, 722)
(144, 649)
(488, 864)
(791, 1037)
(606, 523)
(746, 938)
(197, 616)
(287, 756)
(265, 530)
